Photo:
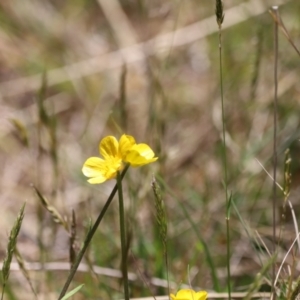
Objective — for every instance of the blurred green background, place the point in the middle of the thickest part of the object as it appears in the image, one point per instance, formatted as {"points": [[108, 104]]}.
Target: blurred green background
{"points": [[149, 69]]}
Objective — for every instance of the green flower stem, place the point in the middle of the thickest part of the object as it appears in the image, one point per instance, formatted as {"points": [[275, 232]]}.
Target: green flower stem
{"points": [[220, 19], [89, 237], [123, 236], [226, 178], [228, 256], [274, 202]]}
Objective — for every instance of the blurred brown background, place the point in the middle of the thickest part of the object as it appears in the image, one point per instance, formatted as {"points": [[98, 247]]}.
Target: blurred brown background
{"points": [[149, 69]]}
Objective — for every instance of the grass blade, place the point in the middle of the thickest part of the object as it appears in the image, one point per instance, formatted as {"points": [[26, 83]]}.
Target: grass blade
{"points": [[71, 293]]}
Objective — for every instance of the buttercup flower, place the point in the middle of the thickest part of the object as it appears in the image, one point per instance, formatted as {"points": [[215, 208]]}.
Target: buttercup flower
{"points": [[136, 155], [187, 294], [114, 154]]}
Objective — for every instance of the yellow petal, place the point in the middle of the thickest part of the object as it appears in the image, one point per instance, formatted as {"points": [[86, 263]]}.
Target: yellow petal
{"points": [[188, 294], [202, 295], [140, 155], [144, 150], [97, 180], [101, 170], [92, 167], [109, 147], [125, 144]]}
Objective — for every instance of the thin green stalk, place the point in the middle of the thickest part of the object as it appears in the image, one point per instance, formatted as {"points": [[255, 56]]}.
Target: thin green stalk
{"points": [[123, 236], [228, 256], [89, 237], [43, 120], [220, 19], [223, 119], [275, 11]]}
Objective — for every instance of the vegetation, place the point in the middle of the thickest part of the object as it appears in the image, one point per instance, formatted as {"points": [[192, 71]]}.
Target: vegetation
{"points": [[214, 91]]}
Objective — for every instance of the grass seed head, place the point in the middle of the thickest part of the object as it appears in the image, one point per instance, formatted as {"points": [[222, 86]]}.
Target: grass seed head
{"points": [[219, 12], [12, 244]]}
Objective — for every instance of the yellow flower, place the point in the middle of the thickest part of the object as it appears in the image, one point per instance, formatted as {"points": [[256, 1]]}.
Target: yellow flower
{"points": [[187, 294], [136, 155], [114, 153]]}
